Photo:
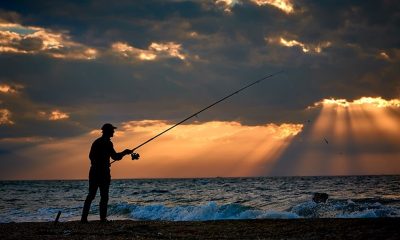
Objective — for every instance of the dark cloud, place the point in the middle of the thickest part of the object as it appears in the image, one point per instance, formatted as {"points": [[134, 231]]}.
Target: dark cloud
{"points": [[30, 44], [232, 50]]}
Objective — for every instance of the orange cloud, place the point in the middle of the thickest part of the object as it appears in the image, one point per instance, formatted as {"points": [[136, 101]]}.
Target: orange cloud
{"points": [[154, 51], [7, 88], [171, 48], [284, 5], [305, 47], [54, 115], [5, 117], [16, 38], [378, 102]]}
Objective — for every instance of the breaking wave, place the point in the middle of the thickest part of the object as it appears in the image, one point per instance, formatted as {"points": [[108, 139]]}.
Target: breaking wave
{"points": [[213, 211]]}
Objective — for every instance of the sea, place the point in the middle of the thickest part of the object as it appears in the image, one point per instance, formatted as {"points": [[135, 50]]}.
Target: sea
{"points": [[202, 199]]}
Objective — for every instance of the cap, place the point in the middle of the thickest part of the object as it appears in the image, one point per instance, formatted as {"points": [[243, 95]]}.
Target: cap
{"points": [[107, 126]]}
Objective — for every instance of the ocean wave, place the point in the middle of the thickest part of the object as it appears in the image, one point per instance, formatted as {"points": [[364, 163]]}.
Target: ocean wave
{"points": [[206, 199], [333, 208], [337, 208], [213, 211], [209, 211]]}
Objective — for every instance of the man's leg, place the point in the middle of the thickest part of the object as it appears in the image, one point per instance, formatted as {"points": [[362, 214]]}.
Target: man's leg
{"points": [[92, 193], [104, 187]]}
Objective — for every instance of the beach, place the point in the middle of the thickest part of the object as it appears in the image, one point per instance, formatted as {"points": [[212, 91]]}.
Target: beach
{"points": [[380, 228]]}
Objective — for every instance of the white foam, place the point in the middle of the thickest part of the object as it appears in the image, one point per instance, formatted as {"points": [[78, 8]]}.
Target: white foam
{"points": [[305, 209], [364, 214], [208, 211], [279, 215]]}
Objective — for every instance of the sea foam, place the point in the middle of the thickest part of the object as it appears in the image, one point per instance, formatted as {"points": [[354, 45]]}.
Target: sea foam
{"points": [[214, 211], [209, 211]]}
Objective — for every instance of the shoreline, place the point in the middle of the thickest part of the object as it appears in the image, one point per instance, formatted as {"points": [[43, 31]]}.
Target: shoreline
{"points": [[209, 177], [325, 228]]}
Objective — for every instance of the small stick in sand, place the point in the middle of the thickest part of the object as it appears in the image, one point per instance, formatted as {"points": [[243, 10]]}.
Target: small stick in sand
{"points": [[58, 216]]}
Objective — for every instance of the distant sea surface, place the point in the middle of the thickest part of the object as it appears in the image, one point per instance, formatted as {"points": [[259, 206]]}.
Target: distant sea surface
{"points": [[206, 199]]}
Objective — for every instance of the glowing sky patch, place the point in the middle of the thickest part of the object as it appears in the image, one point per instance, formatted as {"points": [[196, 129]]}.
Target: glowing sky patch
{"points": [[284, 5], [16, 38], [171, 48], [226, 4], [154, 51], [378, 102], [351, 137], [305, 47], [384, 55], [7, 88], [54, 115], [5, 117], [207, 149], [292, 43]]}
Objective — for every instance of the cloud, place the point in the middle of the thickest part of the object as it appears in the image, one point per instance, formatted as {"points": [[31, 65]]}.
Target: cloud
{"points": [[305, 47], [390, 55], [377, 102], [54, 115], [232, 47], [5, 116], [284, 5], [10, 89], [23, 118], [155, 51], [226, 5], [20, 39]]}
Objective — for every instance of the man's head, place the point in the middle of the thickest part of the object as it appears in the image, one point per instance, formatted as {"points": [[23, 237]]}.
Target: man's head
{"points": [[108, 130]]}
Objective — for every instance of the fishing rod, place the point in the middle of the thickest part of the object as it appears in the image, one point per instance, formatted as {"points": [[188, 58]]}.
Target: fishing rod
{"points": [[135, 156]]}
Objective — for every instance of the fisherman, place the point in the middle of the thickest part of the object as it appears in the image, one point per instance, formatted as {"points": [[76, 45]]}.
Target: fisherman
{"points": [[99, 175]]}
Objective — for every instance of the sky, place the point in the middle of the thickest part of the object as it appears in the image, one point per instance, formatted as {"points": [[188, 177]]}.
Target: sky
{"points": [[68, 67]]}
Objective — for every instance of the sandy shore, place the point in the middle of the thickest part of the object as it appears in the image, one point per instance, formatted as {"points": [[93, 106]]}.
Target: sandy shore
{"points": [[383, 228]]}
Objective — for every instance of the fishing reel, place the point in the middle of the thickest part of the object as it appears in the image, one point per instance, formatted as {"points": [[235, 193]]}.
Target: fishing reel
{"points": [[135, 156]]}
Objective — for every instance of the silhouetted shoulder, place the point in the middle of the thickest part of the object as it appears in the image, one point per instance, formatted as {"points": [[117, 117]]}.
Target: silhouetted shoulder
{"points": [[102, 142]]}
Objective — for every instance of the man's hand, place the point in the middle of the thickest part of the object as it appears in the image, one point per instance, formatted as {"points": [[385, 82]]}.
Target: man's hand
{"points": [[127, 151], [135, 156]]}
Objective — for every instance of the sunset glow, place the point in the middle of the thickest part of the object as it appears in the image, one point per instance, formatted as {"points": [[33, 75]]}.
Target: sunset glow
{"points": [[208, 149], [194, 150], [328, 102], [352, 134]]}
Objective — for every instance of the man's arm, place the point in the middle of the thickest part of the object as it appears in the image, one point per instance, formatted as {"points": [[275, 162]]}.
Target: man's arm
{"points": [[118, 156]]}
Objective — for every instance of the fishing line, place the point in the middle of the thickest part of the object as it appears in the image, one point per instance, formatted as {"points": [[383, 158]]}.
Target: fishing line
{"points": [[133, 155]]}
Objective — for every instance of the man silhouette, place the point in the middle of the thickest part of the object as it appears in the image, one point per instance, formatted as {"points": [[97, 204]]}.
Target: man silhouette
{"points": [[99, 175]]}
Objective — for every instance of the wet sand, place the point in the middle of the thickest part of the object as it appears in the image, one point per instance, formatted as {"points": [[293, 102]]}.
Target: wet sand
{"points": [[382, 228]]}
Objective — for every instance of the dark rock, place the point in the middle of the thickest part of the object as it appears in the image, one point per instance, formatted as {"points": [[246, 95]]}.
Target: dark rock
{"points": [[320, 197]]}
